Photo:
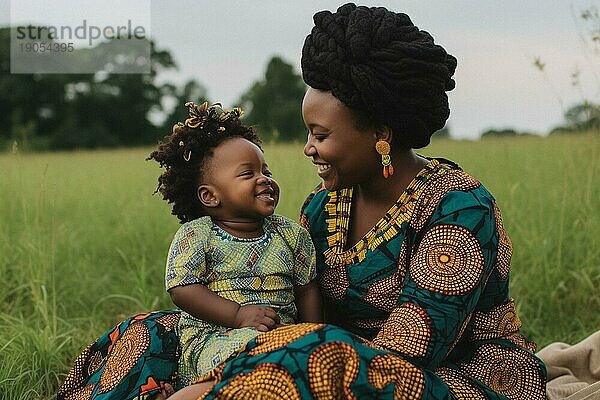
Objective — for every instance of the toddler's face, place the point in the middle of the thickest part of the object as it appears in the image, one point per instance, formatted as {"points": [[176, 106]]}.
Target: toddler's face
{"points": [[242, 181]]}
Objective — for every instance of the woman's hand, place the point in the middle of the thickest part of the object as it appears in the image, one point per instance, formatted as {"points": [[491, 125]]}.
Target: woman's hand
{"points": [[260, 317]]}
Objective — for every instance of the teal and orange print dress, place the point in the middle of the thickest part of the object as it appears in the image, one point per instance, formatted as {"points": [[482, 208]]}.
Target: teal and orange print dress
{"points": [[421, 306]]}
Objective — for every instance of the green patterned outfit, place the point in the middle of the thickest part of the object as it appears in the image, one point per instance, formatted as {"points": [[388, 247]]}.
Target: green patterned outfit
{"points": [[261, 271], [420, 305]]}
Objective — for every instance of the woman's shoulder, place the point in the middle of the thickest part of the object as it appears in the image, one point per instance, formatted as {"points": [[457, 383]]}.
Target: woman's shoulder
{"points": [[450, 189], [456, 182], [315, 202]]}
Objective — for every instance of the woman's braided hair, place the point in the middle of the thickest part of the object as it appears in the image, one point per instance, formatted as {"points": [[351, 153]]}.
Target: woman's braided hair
{"points": [[184, 152], [383, 67]]}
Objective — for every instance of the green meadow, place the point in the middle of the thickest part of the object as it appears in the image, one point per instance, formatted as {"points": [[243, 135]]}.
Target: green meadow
{"points": [[83, 242]]}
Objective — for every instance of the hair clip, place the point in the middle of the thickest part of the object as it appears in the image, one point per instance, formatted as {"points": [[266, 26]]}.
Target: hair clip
{"points": [[177, 127], [200, 114], [193, 122], [196, 110], [187, 155], [181, 143]]}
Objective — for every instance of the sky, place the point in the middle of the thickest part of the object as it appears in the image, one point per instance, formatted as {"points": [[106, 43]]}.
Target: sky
{"points": [[225, 45]]}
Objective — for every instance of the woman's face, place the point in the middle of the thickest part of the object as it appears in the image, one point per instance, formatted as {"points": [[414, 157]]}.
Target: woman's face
{"points": [[344, 155]]}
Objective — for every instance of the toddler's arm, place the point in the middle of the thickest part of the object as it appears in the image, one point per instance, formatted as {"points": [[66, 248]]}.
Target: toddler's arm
{"points": [[308, 302], [198, 301]]}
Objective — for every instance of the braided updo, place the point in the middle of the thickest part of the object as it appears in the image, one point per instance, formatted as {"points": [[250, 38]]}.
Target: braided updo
{"points": [[184, 153], [383, 67]]}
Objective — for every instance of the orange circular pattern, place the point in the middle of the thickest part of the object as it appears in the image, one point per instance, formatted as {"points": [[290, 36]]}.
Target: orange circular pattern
{"points": [[449, 260], [124, 354], [504, 246], [95, 363], [267, 382], [408, 380], [75, 376], [438, 186], [332, 368], [460, 386], [169, 321], [384, 293], [513, 372], [82, 394], [407, 330], [282, 336], [334, 282]]}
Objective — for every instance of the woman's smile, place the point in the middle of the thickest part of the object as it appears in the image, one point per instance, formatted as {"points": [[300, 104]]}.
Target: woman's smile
{"points": [[323, 170]]}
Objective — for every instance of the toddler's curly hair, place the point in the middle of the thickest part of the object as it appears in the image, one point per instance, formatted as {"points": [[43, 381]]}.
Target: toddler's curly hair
{"points": [[184, 152]]}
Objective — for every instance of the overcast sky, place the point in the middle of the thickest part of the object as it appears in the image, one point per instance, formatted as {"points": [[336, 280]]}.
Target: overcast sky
{"points": [[225, 45]]}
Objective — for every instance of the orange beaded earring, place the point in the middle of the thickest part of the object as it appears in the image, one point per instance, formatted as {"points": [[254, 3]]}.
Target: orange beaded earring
{"points": [[383, 148]]}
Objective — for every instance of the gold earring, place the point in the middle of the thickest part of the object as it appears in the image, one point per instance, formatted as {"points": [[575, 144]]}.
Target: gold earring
{"points": [[383, 148]]}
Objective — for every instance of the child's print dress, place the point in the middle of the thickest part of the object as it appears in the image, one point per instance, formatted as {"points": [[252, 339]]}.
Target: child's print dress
{"points": [[260, 271]]}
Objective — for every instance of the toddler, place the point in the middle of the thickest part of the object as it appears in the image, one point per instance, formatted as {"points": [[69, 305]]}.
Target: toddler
{"points": [[234, 267]]}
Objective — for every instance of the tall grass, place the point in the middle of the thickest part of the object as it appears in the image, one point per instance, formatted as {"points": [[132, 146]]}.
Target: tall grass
{"points": [[83, 242]]}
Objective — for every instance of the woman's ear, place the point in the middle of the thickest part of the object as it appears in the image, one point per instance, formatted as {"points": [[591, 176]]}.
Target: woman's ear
{"points": [[208, 196], [383, 133]]}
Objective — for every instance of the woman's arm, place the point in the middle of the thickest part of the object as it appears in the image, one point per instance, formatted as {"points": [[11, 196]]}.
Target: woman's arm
{"points": [[308, 302], [200, 302], [448, 270]]}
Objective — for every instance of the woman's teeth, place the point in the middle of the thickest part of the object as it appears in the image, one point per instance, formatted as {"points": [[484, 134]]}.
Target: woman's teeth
{"points": [[323, 167]]}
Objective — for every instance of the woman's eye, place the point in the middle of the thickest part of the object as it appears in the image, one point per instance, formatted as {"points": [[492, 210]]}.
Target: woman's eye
{"points": [[246, 173], [268, 173], [317, 136]]}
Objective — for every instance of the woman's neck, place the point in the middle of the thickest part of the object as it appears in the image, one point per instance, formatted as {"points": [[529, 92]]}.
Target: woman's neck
{"points": [[244, 229], [386, 191]]}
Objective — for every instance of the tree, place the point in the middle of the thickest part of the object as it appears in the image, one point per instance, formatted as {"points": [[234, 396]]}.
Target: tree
{"points": [[106, 109], [499, 132], [273, 103], [584, 116], [30, 105], [66, 111]]}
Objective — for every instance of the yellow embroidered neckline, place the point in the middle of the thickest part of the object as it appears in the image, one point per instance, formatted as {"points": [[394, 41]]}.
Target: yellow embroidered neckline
{"points": [[337, 221]]}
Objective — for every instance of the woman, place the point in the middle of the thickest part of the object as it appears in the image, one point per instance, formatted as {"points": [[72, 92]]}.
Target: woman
{"points": [[413, 260]]}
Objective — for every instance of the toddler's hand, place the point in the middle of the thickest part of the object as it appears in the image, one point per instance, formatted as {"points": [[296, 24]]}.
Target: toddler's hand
{"points": [[260, 317]]}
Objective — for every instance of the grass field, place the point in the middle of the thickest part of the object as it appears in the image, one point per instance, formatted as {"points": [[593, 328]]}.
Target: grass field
{"points": [[83, 242]]}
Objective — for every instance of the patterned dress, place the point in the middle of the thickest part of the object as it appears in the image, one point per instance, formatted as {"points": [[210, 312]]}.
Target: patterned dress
{"points": [[261, 271], [421, 309], [132, 360], [421, 306]]}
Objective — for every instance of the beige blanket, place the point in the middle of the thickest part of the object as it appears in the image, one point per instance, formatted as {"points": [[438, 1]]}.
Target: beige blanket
{"points": [[573, 370]]}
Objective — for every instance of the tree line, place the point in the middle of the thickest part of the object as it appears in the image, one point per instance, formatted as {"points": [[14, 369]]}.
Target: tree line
{"points": [[71, 111]]}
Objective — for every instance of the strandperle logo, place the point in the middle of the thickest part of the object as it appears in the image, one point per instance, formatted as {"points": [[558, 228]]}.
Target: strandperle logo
{"points": [[82, 37], [89, 32]]}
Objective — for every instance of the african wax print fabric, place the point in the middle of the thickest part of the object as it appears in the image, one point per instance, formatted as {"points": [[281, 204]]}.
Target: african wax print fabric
{"points": [[132, 360], [262, 271], [420, 306]]}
